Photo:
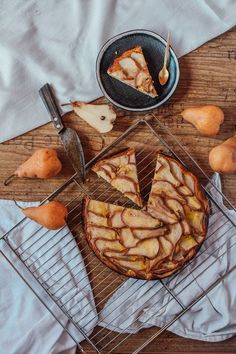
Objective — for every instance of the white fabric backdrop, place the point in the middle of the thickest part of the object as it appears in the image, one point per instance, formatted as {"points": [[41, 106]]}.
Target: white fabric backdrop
{"points": [[57, 41]]}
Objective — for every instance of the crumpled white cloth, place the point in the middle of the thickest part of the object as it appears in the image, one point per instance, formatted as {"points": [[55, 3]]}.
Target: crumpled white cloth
{"points": [[58, 42], [141, 304], [25, 324]]}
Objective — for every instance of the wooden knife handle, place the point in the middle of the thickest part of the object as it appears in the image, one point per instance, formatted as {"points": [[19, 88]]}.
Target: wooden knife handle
{"points": [[53, 108]]}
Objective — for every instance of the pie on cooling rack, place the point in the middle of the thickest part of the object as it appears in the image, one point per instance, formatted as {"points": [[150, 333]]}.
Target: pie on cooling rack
{"points": [[131, 69], [155, 242], [121, 172]]}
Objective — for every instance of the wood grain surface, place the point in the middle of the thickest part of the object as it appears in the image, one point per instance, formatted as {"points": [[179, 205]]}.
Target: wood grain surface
{"points": [[208, 76]]}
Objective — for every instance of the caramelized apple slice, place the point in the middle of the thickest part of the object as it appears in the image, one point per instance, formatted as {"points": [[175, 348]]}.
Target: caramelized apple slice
{"points": [[143, 234], [176, 207], [127, 238], [96, 219], [116, 220], [164, 188], [103, 245], [184, 190], [97, 207], [188, 242], [193, 203], [139, 219], [164, 173], [176, 170], [102, 232], [147, 248], [175, 233]]}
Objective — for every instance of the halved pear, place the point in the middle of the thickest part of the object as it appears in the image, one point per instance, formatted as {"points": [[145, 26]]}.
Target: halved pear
{"points": [[139, 219], [147, 248]]}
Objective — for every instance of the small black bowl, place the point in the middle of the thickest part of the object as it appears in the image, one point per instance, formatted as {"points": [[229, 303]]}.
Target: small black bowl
{"points": [[126, 97]]}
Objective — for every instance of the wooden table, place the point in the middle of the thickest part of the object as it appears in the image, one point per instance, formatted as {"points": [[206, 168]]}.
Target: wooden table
{"points": [[208, 76]]}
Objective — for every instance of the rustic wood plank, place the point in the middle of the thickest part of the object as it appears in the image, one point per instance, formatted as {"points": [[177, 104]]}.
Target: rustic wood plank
{"points": [[207, 77]]}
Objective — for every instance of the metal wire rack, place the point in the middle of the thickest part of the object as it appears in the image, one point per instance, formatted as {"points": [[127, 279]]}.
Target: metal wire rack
{"points": [[53, 263]]}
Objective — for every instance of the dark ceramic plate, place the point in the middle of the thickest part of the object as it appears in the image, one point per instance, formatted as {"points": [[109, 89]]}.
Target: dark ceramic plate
{"points": [[153, 47]]}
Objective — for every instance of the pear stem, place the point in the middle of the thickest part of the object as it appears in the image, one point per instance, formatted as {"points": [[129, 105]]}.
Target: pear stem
{"points": [[9, 179]]}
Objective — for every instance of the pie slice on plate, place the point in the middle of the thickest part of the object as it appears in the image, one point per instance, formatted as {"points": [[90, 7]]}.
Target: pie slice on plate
{"points": [[131, 69], [152, 243], [121, 172]]}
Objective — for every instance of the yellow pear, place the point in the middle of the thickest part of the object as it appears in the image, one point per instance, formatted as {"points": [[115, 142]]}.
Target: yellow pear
{"points": [[222, 158], [206, 119]]}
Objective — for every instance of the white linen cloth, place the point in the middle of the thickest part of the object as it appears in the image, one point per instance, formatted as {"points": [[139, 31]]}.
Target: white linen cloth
{"points": [[141, 304], [25, 324], [58, 42]]}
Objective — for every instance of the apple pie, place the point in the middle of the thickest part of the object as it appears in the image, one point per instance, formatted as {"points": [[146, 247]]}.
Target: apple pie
{"points": [[131, 69], [152, 243]]}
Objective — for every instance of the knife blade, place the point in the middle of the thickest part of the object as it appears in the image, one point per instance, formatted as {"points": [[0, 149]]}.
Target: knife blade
{"points": [[69, 136]]}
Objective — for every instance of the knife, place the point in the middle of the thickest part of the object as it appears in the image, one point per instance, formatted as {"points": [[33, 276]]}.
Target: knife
{"points": [[69, 137]]}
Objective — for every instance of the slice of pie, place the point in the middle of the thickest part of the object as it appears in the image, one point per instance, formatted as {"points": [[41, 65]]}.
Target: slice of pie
{"points": [[156, 242], [121, 172], [131, 69]]}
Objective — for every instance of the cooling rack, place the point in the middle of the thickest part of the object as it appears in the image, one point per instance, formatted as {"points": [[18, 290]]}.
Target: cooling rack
{"points": [[53, 264]]}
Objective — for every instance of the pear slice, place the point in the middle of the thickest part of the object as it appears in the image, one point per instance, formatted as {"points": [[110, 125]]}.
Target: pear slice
{"points": [[158, 209], [176, 170], [165, 250], [188, 242], [165, 173], [127, 238], [143, 234], [184, 190], [194, 203], [116, 220], [99, 208], [103, 245], [176, 207], [174, 234], [186, 227], [147, 248], [102, 232], [189, 181], [99, 116], [195, 219], [95, 219], [136, 266], [166, 189], [139, 219]]}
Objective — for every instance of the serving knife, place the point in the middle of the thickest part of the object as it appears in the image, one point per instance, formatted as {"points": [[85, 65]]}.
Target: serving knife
{"points": [[69, 137]]}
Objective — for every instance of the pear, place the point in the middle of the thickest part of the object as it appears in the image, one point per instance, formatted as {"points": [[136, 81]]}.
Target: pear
{"points": [[222, 158], [44, 163], [206, 119], [99, 116], [51, 215]]}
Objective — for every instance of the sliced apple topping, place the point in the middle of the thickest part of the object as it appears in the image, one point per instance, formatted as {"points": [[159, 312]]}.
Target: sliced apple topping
{"points": [[103, 245], [147, 248], [127, 238], [102, 232], [188, 242], [138, 219], [143, 234], [164, 173], [166, 189], [96, 219], [193, 203]]}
